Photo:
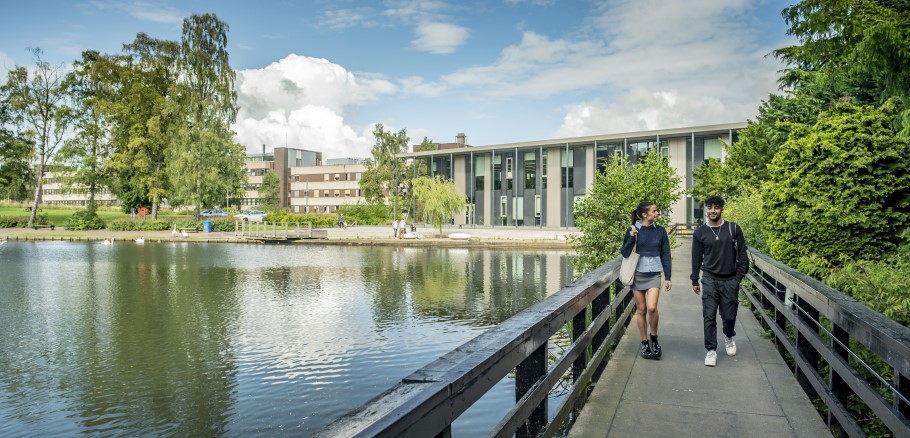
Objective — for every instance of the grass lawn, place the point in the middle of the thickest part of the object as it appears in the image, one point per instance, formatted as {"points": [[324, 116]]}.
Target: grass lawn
{"points": [[59, 215]]}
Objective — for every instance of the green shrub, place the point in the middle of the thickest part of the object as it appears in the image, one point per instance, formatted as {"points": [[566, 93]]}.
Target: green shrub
{"points": [[366, 214], [84, 220], [318, 220], [157, 225], [841, 191], [13, 221], [123, 225]]}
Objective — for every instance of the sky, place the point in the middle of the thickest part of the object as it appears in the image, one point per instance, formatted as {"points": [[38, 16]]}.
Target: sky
{"points": [[320, 74]]}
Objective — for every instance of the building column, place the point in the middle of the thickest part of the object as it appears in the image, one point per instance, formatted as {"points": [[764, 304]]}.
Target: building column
{"points": [[460, 178], [488, 190], [554, 187]]}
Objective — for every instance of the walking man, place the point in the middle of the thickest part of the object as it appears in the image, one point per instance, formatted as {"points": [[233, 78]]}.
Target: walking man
{"points": [[719, 255]]}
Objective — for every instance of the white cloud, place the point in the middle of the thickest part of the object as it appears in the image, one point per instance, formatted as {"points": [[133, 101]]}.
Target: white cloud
{"points": [[649, 65], [349, 18], [533, 2], [439, 38], [301, 102], [144, 11], [643, 110], [415, 85], [6, 64]]}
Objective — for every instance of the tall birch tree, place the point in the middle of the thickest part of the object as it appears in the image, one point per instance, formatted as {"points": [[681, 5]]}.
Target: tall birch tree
{"points": [[39, 109], [205, 163], [85, 156]]}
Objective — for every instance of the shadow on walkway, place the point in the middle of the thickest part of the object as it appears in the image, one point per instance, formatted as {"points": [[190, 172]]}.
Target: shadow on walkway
{"points": [[752, 394]]}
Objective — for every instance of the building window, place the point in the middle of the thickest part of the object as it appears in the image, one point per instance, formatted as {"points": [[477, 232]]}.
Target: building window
{"points": [[543, 171], [530, 170], [605, 153], [497, 173], [478, 173], [567, 178], [296, 178]]}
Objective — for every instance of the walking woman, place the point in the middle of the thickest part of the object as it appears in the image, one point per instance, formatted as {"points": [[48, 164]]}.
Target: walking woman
{"points": [[653, 246]]}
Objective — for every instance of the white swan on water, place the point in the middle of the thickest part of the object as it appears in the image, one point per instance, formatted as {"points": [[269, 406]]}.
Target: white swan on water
{"points": [[184, 234], [108, 242], [174, 231], [140, 240]]}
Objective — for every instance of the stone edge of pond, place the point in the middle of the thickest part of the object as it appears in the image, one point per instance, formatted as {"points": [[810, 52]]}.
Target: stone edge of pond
{"points": [[427, 242]]}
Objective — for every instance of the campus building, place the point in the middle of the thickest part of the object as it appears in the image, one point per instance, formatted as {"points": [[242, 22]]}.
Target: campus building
{"points": [[307, 185], [536, 183], [55, 191]]}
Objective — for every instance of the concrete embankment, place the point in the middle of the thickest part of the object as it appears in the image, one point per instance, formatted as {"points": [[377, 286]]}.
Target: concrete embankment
{"points": [[492, 237]]}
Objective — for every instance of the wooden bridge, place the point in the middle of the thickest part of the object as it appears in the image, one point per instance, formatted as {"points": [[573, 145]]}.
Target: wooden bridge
{"points": [[272, 232], [804, 348]]}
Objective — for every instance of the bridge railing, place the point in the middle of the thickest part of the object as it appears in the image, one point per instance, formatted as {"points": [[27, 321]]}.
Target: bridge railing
{"points": [[831, 340], [427, 402]]}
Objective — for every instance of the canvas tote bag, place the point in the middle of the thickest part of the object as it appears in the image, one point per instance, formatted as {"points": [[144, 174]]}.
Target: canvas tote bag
{"points": [[627, 269]]}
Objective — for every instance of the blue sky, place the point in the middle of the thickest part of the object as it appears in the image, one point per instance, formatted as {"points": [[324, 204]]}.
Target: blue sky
{"points": [[319, 74]]}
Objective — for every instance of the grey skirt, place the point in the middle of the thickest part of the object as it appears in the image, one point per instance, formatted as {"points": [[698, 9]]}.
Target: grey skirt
{"points": [[646, 280]]}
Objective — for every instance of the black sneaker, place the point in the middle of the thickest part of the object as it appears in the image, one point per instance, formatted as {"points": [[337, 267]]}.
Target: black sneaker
{"points": [[655, 348], [646, 350]]}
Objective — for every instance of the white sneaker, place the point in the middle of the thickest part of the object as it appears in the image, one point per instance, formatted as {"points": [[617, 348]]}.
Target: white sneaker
{"points": [[730, 345], [711, 358]]}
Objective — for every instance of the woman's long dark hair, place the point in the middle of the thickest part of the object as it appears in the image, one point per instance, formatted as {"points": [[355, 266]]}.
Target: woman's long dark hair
{"points": [[639, 211]]}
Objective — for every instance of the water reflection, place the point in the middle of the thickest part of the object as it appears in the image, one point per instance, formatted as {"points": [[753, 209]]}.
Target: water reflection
{"points": [[233, 340]]}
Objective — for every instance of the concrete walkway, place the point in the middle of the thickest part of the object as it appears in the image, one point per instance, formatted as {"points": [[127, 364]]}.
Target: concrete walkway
{"points": [[752, 394]]}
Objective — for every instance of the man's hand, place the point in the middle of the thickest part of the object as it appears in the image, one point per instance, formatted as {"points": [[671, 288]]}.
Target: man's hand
{"points": [[697, 289]]}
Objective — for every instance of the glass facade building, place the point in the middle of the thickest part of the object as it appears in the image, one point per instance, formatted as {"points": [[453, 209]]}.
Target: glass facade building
{"points": [[536, 183]]}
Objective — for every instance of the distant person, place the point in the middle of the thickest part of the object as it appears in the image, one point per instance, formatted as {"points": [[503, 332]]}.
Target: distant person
{"points": [[395, 229], [719, 254], [653, 246], [341, 221]]}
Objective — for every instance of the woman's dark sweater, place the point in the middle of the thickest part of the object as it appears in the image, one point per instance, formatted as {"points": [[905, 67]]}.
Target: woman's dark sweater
{"points": [[652, 242]]}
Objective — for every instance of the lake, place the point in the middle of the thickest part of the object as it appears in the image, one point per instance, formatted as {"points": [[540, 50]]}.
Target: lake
{"points": [[195, 339]]}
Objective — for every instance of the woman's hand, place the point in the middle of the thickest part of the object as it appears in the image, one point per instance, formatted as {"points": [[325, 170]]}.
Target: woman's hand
{"points": [[668, 285], [633, 231]]}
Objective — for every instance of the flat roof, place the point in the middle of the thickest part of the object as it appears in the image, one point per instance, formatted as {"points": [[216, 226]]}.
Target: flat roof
{"points": [[638, 135]]}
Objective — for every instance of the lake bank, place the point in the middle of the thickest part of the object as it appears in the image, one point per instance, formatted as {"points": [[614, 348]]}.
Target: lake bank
{"points": [[498, 237]]}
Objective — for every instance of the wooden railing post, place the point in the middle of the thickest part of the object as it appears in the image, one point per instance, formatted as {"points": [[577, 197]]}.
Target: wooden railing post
{"points": [[579, 324], [838, 385], [807, 315], [527, 373], [597, 307], [903, 387]]}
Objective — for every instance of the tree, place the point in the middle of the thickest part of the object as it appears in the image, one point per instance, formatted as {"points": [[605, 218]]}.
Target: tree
{"points": [[382, 170], [603, 214], [15, 151], [86, 155], [710, 179], [862, 46], [145, 119], [440, 198], [270, 191], [841, 190], [205, 163], [38, 106]]}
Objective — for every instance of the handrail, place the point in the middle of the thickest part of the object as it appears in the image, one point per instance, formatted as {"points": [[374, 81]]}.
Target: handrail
{"points": [[825, 321], [428, 401]]}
